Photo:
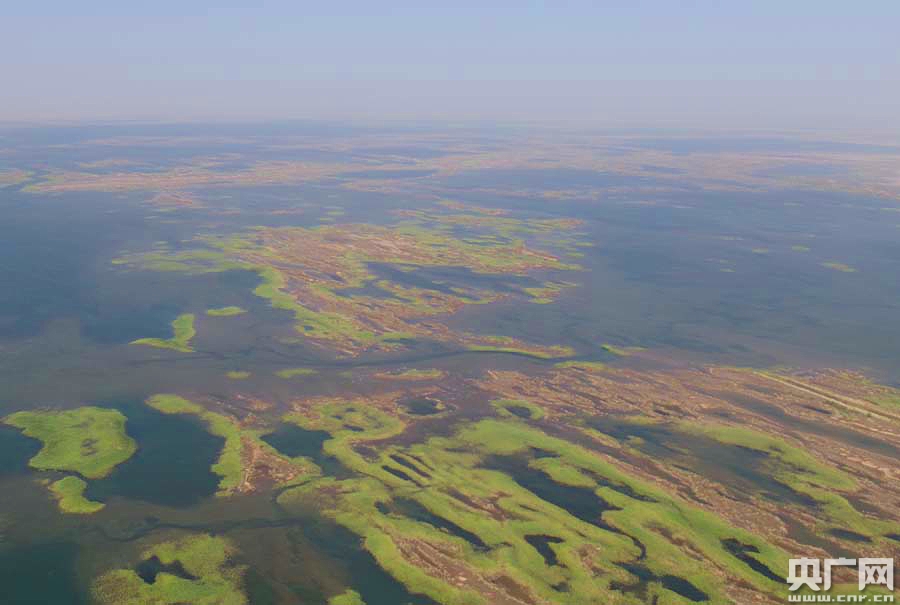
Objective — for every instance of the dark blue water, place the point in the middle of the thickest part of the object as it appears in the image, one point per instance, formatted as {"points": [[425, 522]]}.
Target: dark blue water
{"points": [[291, 440], [412, 509], [674, 583], [152, 567], [40, 574], [375, 585], [171, 466], [16, 450], [421, 406], [580, 502], [56, 264], [542, 544]]}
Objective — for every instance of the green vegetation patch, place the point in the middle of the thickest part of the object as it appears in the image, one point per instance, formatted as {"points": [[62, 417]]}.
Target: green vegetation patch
{"points": [[354, 420], [184, 332], [196, 570], [803, 473], [294, 372], [412, 374], [843, 268], [546, 293], [622, 351], [492, 227], [807, 468], [324, 324], [228, 466], [226, 311], [349, 597], [238, 374], [69, 491], [482, 499], [349, 423], [518, 408], [424, 241], [887, 400], [90, 441], [499, 344], [582, 365]]}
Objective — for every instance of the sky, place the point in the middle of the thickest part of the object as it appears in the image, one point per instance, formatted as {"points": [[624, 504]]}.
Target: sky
{"points": [[724, 64]]}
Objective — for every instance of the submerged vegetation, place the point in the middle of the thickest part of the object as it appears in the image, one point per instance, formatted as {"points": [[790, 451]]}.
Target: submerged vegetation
{"points": [[183, 333]]}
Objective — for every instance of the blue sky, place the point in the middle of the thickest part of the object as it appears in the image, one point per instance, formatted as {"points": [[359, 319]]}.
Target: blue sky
{"points": [[725, 64]]}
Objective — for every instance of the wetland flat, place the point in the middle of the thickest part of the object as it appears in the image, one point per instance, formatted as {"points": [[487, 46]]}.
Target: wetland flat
{"points": [[316, 366]]}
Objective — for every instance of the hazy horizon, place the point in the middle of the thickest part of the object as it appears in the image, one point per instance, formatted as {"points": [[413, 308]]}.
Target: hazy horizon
{"points": [[807, 65]]}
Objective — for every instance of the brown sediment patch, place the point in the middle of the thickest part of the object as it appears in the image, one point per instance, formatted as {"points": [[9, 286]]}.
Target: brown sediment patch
{"points": [[647, 170], [175, 199], [262, 468], [385, 402], [784, 406], [445, 562], [327, 277], [849, 390], [453, 205], [411, 375], [186, 176], [489, 506], [514, 589]]}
